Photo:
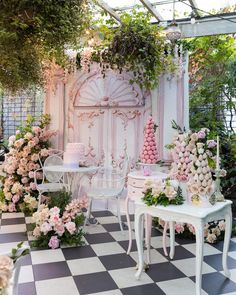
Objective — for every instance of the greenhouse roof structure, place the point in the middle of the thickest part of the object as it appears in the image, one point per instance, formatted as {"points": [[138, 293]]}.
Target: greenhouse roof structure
{"points": [[190, 15]]}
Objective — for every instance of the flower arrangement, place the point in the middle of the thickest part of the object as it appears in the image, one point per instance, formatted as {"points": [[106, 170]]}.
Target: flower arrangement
{"points": [[7, 266], [55, 225], [162, 193], [27, 148]]}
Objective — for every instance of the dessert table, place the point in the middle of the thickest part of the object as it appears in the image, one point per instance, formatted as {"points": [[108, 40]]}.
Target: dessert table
{"points": [[136, 181], [186, 213], [71, 172]]}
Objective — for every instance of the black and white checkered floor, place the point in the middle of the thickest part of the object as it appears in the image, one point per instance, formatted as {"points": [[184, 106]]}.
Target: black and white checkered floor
{"points": [[102, 266]]}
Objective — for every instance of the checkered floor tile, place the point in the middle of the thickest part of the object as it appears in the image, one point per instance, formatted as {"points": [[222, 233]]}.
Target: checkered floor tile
{"points": [[102, 266]]}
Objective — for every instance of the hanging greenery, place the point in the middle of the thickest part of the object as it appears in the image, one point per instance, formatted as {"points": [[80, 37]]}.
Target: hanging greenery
{"points": [[135, 45], [32, 31]]}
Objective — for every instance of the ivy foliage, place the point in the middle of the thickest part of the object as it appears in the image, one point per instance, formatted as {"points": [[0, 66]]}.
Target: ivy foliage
{"points": [[212, 64], [34, 30], [136, 45]]}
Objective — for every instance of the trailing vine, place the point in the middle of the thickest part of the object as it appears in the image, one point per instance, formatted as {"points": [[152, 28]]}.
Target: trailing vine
{"points": [[135, 46]]}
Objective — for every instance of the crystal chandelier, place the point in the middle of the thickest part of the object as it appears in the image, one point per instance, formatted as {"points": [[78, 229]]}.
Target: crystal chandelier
{"points": [[173, 32]]}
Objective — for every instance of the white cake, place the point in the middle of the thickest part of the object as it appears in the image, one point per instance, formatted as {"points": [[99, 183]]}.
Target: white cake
{"points": [[74, 154]]}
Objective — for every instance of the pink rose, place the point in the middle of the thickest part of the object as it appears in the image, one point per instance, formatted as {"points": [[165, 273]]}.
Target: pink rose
{"points": [[70, 226], [54, 242], [24, 180], [59, 228], [11, 207], [45, 228], [179, 228], [54, 219], [15, 198], [33, 186]]}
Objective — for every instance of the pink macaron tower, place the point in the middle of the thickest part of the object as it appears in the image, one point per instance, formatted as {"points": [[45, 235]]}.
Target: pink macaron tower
{"points": [[149, 153]]}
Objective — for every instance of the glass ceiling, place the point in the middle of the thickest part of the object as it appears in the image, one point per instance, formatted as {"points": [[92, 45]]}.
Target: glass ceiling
{"points": [[183, 8]]}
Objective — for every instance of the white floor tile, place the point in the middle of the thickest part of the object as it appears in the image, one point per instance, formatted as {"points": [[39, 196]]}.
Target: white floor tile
{"points": [[26, 274], [6, 247], [14, 228], [29, 219], [47, 256], [61, 286], [232, 254], [107, 248], [232, 275], [208, 249], [85, 266], [156, 257], [121, 236], [107, 219], [183, 286], [12, 215], [156, 242], [94, 229], [187, 266], [125, 277]]}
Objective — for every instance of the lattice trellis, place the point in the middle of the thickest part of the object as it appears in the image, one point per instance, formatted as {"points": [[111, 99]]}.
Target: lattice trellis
{"points": [[16, 108]]}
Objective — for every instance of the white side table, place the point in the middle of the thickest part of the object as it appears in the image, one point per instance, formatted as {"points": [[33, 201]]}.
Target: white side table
{"points": [[186, 213], [136, 181]]}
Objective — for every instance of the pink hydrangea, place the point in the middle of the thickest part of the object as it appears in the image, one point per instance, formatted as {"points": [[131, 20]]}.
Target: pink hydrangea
{"points": [[201, 134], [54, 242]]}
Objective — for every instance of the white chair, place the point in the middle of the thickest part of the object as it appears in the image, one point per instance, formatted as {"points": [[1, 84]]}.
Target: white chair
{"points": [[106, 185], [13, 288], [52, 181]]}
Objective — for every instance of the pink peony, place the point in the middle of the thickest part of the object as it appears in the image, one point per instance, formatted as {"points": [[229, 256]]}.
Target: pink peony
{"points": [[15, 198], [201, 134], [211, 144], [70, 226], [55, 210], [59, 228], [33, 186], [54, 242], [24, 180]]}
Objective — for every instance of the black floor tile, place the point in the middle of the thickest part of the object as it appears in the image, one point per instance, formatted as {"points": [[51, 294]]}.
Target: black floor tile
{"points": [[103, 213], [11, 221], [216, 283], [114, 227], [78, 252], [13, 237], [48, 271], [125, 245], [99, 238], [180, 253], [27, 289], [94, 283], [164, 271], [149, 289], [215, 261], [117, 261]]}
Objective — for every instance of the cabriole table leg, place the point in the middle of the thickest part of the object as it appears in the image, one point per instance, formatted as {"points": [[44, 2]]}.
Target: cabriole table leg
{"points": [[228, 230]]}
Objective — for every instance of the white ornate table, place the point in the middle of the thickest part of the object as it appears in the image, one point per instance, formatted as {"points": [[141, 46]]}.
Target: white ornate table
{"points": [[136, 181], [186, 213], [70, 172]]}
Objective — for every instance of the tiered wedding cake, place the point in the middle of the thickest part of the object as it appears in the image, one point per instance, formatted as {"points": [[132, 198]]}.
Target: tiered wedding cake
{"points": [[149, 153], [74, 154]]}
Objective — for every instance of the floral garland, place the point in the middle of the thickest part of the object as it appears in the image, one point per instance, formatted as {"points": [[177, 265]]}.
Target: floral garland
{"points": [[55, 225], [7, 266], [27, 148], [162, 193], [213, 231]]}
